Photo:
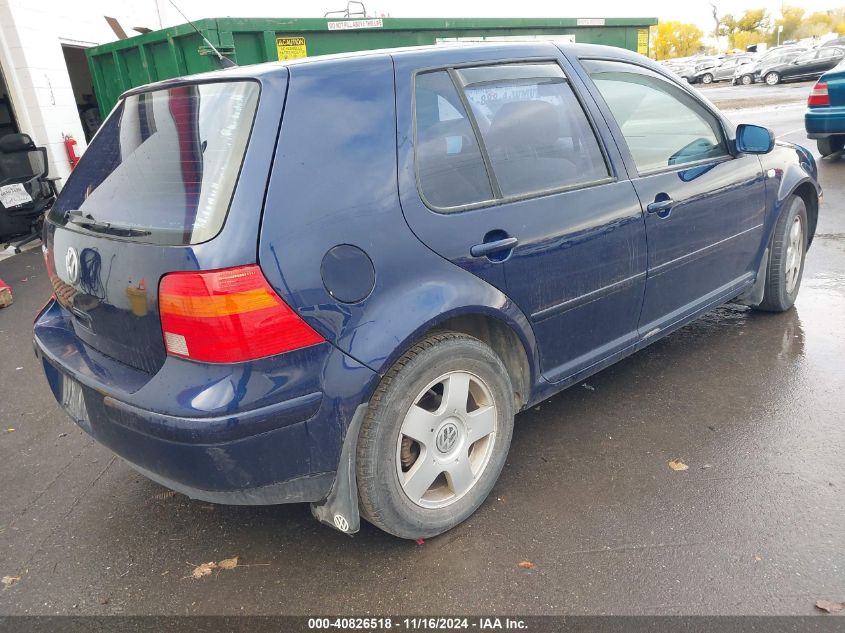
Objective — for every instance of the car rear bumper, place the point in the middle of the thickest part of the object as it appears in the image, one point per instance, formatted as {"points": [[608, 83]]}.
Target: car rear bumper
{"points": [[282, 451], [825, 122]]}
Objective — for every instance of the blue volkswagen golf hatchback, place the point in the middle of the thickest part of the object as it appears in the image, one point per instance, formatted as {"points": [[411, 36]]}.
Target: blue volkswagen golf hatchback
{"points": [[337, 280]]}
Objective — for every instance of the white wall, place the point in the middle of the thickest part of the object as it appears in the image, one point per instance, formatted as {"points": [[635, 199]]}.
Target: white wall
{"points": [[31, 36]]}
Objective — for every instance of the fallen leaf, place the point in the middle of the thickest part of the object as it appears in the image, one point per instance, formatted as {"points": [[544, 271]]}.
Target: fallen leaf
{"points": [[677, 464], [525, 564], [830, 606], [9, 581], [228, 563], [203, 570]]}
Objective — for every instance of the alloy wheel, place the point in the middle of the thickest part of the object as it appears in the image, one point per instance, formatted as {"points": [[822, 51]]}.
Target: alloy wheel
{"points": [[446, 439], [794, 254]]}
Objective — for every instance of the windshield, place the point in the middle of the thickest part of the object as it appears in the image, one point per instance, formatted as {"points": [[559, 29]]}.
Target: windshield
{"points": [[163, 167]]}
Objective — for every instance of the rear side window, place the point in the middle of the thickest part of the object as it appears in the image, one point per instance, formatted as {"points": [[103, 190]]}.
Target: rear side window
{"points": [[830, 53], [525, 133], [536, 134], [450, 168], [163, 167], [663, 125]]}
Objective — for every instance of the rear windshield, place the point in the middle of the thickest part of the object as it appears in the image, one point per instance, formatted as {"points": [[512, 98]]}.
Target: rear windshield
{"points": [[163, 166]]}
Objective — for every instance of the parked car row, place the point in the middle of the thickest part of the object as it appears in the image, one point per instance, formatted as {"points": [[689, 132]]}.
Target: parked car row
{"points": [[784, 63]]}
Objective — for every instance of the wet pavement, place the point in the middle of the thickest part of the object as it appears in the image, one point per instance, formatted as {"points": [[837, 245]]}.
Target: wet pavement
{"points": [[752, 403], [727, 96]]}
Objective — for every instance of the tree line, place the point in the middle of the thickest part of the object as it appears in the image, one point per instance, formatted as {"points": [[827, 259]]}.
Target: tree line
{"points": [[754, 26]]}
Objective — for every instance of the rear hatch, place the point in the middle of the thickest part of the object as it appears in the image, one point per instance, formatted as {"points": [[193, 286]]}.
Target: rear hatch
{"points": [[149, 197]]}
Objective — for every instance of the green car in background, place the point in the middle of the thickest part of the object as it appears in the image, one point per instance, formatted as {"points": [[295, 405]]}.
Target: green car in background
{"points": [[825, 116]]}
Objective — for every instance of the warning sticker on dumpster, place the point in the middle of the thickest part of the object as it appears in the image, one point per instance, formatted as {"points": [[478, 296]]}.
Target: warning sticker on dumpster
{"points": [[642, 41], [346, 25], [14, 195], [291, 47]]}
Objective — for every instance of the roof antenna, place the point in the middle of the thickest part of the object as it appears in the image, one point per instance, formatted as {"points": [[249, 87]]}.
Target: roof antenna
{"points": [[225, 62]]}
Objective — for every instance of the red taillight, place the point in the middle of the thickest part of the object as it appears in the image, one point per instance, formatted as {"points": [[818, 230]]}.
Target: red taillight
{"points": [[228, 316], [819, 95]]}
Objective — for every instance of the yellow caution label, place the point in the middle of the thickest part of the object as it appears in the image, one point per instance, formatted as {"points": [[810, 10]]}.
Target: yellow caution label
{"points": [[291, 47], [642, 42]]}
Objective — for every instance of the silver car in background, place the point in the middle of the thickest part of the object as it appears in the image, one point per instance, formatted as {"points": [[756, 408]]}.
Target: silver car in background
{"points": [[749, 73], [722, 71]]}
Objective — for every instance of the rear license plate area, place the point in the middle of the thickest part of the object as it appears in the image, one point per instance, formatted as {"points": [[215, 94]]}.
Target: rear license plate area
{"points": [[73, 401]]}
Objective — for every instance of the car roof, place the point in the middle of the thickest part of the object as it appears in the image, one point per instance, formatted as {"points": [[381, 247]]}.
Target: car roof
{"points": [[424, 53]]}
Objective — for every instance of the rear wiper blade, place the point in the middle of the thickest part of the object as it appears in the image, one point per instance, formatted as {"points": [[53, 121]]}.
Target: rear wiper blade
{"points": [[74, 216]]}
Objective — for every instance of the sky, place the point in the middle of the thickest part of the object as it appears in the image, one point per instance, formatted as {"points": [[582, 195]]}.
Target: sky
{"points": [[698, 12]]}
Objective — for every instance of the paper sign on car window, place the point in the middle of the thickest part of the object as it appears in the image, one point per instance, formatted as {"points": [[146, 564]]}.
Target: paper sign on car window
{"points": [[14, 195]]}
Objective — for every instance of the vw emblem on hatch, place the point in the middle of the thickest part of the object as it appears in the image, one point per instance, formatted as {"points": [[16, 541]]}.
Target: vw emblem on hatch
{"points": [[446, 437], [72, 265]]}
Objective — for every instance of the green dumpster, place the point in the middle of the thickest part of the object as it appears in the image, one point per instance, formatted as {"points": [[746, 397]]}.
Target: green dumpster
{"points": [[179, 50]]}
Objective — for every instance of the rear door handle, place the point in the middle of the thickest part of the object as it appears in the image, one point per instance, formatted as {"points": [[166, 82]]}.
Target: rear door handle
{"points": [[488, 248], [660, 206]]}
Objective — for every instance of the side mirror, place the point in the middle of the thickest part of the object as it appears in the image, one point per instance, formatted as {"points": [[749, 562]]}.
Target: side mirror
{"points": [[753, 139]]}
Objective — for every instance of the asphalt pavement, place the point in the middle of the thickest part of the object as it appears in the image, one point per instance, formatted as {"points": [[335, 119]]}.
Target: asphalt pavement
{"points": [[752, 403], [728, 97]]}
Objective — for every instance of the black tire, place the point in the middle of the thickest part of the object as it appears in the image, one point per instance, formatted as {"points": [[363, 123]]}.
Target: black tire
{"points": [[707, 78], [830, 145], [772, 78], [746, 80], [777, 297], [383, 502]]}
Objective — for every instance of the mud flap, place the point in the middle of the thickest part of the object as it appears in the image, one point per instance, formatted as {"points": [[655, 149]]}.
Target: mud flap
{"points": [[754, 295], [340, 509]]}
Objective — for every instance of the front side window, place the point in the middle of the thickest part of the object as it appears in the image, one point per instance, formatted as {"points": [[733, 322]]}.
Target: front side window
{"points": [[663, 125]]}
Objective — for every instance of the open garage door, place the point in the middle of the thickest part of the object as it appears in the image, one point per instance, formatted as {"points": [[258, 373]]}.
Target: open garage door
{"points": [[83, 89], [8, 123]]}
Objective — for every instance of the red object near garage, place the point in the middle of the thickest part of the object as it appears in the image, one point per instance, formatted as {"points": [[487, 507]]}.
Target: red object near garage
{"points": [[5, 294], [72, 150]]}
